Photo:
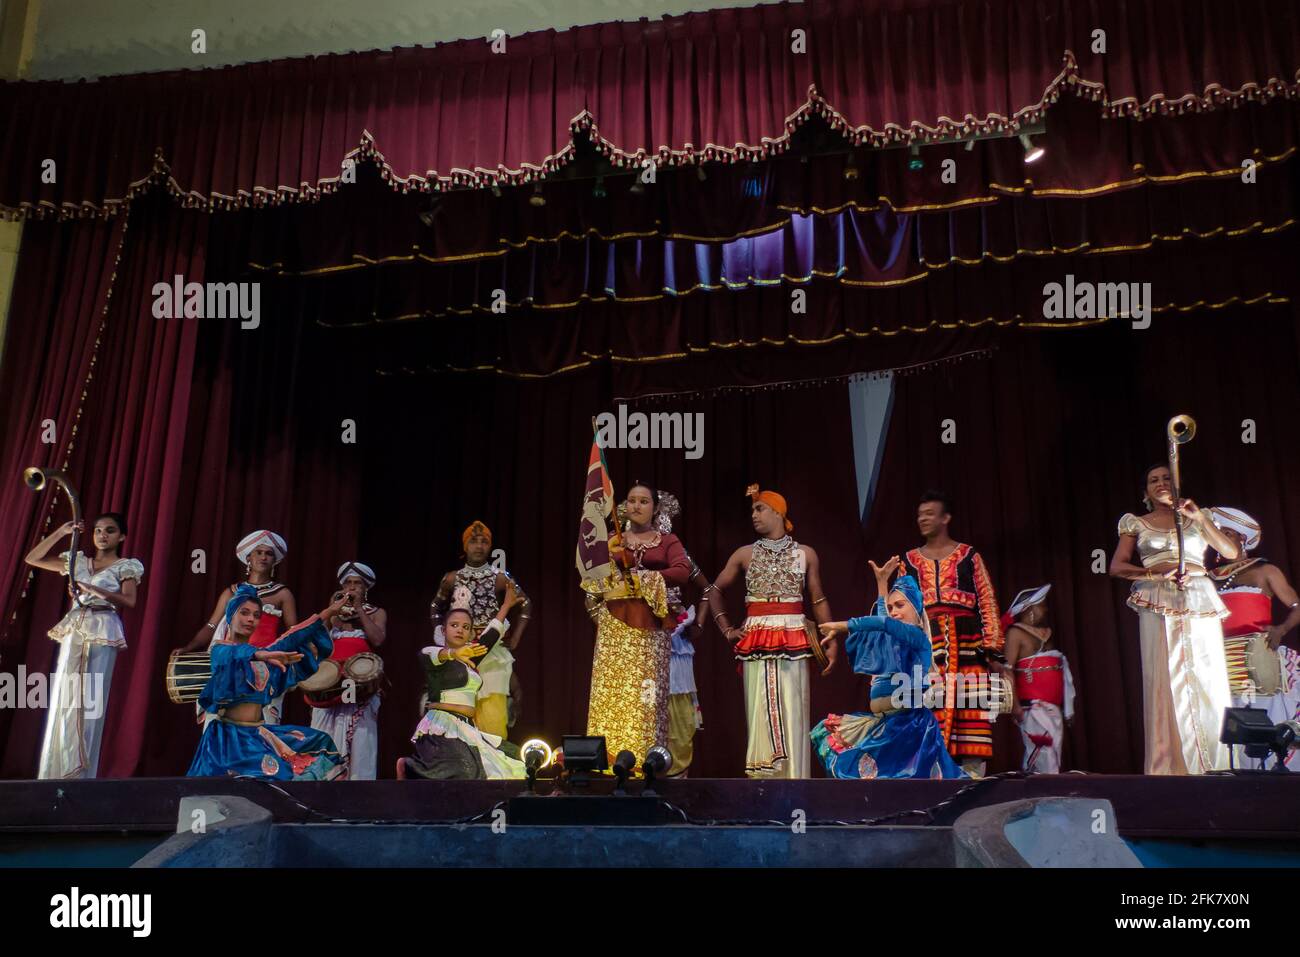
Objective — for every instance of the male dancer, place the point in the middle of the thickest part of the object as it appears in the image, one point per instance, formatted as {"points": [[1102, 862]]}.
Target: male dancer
{"points": [[1248, 587], [964, 626], [772, 645], [487, 587], [359, 627], [260, 552]]}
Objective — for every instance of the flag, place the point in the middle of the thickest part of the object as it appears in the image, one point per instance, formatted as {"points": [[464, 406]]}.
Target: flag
{"points": [[595, 526]]}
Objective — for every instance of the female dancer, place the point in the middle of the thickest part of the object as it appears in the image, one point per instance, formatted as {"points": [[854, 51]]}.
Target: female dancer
{"points": [[899, 737], [630, 677], [1184, 673], [260, 552], [90, 636], [244, 678], [448, 742]]}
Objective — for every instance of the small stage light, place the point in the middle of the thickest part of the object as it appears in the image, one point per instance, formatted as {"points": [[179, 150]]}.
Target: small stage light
{"points": [[598, 191], [496, 190], [851, 169], [970, 144], [623, 765], [637, 187], [700, 174], [537, 754], [657, 763], [1032, 153], [537, 199], [915, 162]]}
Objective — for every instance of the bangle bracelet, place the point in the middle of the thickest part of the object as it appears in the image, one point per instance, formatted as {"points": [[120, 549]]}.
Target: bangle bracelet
{"points": [[818, 601], [212, 626]]}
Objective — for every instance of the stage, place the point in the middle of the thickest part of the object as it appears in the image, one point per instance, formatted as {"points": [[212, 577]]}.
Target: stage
{"points": [[1202, 821]]}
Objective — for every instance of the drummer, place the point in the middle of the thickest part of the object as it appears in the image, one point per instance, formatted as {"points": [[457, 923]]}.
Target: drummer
{"points": [[359, 627], [1248, 587]]}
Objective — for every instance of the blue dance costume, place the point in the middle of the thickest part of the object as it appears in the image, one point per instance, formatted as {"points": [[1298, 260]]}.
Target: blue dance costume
{"points": [[283, 752], [903, 743]]}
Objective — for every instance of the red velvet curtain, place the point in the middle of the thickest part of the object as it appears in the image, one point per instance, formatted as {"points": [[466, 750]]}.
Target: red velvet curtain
{"points": [[728, 84]]}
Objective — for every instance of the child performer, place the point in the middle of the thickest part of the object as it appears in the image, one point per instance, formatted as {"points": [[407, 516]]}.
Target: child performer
{"points": [[1044, 686]]}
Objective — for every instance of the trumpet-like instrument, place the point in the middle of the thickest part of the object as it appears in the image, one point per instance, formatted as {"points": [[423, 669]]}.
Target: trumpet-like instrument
{"points": [[36, 479], [1180, 430]]}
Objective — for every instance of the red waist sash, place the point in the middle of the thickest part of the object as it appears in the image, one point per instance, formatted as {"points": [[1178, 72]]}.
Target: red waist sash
{"points": [[1249, 612], [763, 640], [1041, 678], [345, 647], [266, 632]]}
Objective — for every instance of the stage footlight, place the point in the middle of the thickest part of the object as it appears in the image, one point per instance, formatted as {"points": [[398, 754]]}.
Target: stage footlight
{"points": [[1250, 727], [622, 767], [537, 754], [537, 199], [656, 765], [1032, 153], [915, 162]]}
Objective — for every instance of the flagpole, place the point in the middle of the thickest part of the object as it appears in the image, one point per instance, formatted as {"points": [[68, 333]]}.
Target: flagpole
{"points": [[615, 537]]}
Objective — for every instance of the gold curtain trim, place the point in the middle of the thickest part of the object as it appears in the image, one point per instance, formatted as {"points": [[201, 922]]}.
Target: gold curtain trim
{"points": [[1213, 96], [1267, 298]]}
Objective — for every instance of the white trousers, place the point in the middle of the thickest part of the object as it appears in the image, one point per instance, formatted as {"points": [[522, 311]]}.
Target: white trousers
{"points": [[355, 730], [776, 709], [78, 703]]}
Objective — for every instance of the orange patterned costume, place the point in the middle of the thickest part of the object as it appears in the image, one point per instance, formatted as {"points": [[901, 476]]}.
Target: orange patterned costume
{"points": [[963, 612]]}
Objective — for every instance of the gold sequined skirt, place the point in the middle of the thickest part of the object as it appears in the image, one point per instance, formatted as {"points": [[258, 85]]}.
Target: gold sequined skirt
{"points": [[629, 686]]}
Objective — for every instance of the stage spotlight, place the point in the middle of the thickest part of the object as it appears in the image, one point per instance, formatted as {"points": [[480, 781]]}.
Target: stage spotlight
{"points": [[623, 765], [657, 763], [851, 169], [970, 144], [700, 174], [1250, 727], [598, 191], [1032, 153], [637, 187], [537, 199], [583, 754], [915, 162], [496, 190]]}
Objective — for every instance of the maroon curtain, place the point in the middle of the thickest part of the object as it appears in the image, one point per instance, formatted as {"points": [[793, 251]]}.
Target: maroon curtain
{"points": [[724, 84], [53, 339], [127, 451]]}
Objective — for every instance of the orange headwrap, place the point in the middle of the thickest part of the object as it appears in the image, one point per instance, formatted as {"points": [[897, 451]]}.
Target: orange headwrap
{"points": [[475, 528], [773, 500]]}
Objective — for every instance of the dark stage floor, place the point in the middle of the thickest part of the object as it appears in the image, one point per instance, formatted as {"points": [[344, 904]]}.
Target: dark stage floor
{"points": [[1250, 807]]}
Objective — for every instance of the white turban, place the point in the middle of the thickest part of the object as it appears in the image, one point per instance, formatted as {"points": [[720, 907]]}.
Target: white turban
{"points": [[364, 572], [256, 539], [1238, 521]]}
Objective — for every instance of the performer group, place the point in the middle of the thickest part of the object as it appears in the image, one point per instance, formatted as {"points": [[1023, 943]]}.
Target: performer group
{"points": [[941, 662]]}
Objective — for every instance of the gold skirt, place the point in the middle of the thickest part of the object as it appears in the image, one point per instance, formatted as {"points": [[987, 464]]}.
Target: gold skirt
{"points": [[629, 686]]}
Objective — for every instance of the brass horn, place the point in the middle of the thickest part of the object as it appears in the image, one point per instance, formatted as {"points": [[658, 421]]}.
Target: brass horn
{"points": [[1180, 430], [36, 479]]}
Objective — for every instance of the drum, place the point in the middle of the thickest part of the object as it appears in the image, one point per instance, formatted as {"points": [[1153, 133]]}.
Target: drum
{"points": [[366, 670], [1253, 667], [187, 673], [1263, 665], [323, 689], [815, 643]]}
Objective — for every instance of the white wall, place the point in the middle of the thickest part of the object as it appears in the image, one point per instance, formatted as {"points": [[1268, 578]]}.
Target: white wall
{"points": [[87, 38]]}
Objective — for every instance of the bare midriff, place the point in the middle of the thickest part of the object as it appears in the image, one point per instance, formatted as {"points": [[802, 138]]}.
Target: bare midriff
{"points": [[461, 709], [246, 712], [633, 612]]}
